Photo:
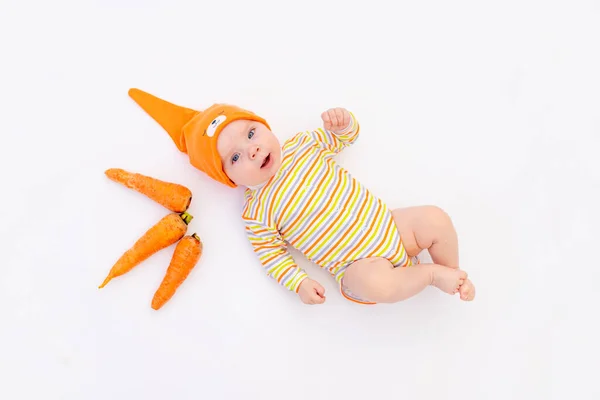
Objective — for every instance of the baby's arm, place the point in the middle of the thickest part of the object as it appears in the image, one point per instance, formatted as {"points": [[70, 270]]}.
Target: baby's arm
{"points": [[341, 130], [272, 253], [279, 264]]}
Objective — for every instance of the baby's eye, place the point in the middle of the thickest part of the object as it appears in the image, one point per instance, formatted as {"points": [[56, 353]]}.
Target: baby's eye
{"points": [[235, 158], [250, 134]]}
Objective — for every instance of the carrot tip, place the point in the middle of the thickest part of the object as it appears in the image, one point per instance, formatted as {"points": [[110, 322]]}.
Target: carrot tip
{"points": [[157, 303], [105, 282], [112, 172]]}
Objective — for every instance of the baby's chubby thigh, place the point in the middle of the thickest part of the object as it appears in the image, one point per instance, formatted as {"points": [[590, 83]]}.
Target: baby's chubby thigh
{"points": [[371, 279]]}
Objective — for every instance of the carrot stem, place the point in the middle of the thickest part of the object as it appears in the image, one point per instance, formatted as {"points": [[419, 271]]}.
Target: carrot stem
{"points": [[195, 236], [187, 218]]}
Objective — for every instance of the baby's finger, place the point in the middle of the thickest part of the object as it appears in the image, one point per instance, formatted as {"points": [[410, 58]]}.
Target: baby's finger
{"points": [[346, 118], [333, 118], [320, 290], [339, 113]]}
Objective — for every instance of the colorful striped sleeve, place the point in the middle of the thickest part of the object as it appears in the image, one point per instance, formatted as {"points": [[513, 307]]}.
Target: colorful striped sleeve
{"points": [[337, 141], [272, 253]]}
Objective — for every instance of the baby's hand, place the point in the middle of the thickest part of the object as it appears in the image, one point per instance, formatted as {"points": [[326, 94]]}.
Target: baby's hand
{"points": [[336, 119], [311, 292]]}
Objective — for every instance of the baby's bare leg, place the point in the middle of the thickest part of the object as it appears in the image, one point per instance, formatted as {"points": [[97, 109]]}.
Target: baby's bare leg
{"points": [[376, 279], [430, 228]]}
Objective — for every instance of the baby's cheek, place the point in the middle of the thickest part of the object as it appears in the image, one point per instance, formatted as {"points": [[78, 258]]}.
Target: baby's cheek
{"points": [[245, 169]]}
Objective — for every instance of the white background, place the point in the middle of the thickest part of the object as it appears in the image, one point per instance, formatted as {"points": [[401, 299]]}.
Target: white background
{"points": [[490, 110]]}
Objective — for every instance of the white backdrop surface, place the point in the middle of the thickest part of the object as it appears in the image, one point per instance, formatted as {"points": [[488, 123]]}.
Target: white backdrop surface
{"points": [[490, 110]]}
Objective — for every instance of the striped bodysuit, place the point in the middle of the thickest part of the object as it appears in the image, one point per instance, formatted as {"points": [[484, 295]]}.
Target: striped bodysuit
{"points": [[316, 206]]}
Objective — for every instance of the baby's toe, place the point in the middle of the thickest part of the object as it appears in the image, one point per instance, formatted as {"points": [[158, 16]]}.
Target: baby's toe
{"points": [[464, 294], [467, 291]]}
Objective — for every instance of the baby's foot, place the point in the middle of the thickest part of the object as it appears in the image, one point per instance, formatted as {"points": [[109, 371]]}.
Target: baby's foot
{"points": [[467, 291], [448, 279]]}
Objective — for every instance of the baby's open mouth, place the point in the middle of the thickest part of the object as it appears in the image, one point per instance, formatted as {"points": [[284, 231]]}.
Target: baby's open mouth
{"points": [[266, 160]]}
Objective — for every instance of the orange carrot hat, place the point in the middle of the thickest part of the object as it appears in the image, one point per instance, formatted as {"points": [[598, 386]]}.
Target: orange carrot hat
{"points": [[195, 132]]}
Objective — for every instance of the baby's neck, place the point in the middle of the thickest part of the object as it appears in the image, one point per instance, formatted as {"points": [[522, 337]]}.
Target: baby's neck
{"points": [[254, 187]]}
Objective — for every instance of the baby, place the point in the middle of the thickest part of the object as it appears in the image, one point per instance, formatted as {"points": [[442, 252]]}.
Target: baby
{"points": [[296, 194]]}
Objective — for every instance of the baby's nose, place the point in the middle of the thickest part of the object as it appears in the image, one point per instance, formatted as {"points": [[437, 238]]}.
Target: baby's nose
{"points": [[254, 151]]}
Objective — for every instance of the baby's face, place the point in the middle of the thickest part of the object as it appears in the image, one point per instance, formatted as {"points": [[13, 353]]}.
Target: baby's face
{"points": [[249, 151]]}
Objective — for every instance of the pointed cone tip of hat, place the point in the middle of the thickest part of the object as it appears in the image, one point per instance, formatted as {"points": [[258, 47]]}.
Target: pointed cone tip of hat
{"points": [[168, 115]]}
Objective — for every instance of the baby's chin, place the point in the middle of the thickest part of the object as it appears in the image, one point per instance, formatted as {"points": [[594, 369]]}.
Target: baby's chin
{"points": [[259, 178]]}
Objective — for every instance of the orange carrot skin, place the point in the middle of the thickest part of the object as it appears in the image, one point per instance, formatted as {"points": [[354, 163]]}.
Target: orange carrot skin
{"points": [[164, 233], [173, 196], [185, 257]]}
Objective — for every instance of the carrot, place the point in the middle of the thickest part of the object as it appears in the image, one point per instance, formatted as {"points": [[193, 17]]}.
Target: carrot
{"points": [[173, 196], [185, 257], [164, 233]]}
